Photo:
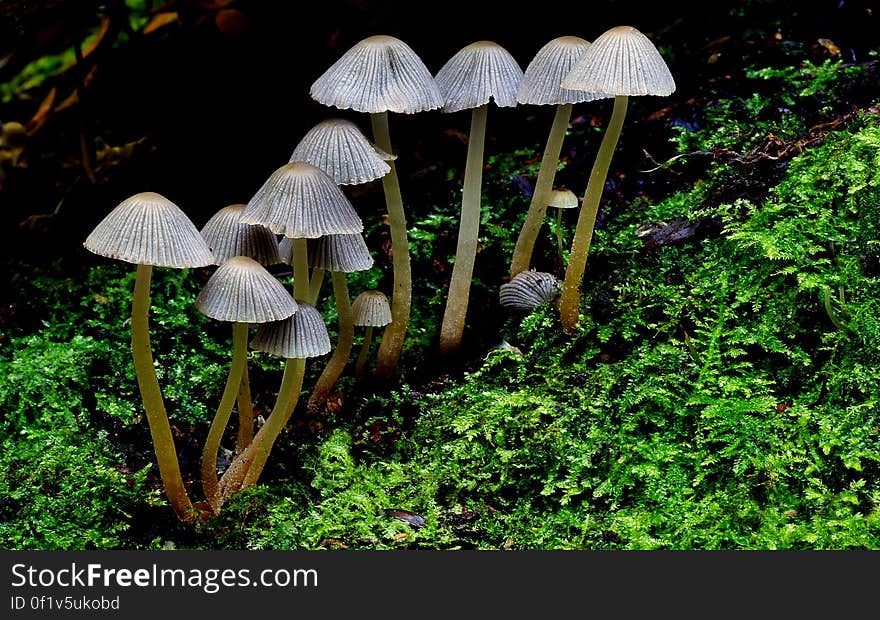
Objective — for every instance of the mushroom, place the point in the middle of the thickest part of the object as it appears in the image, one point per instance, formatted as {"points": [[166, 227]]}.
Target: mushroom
{"points": [[561, 199], [339, 148], [541, 86], [622, 62], [338, 254], [149, 230], [476, 74], [382, 74], [529, 289], [370, 309], [241, 291]]}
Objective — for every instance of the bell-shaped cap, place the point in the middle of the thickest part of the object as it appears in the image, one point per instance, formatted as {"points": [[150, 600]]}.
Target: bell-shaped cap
{"points": [[300, 336], [622, 61], [371, 309], [343, 253], [378, 74], [228, 237], [338, 147], [301, 200], [241, 290], [528, 290], [477, 73], [541, 83], [149, 229], [562, 199]]}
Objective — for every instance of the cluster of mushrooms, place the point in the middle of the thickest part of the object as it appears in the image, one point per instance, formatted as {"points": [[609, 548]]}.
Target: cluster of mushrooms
{"points": [[302, 216]]}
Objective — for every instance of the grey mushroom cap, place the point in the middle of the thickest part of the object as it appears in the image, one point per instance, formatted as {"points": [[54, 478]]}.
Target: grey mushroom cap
{"points": [[300, 200], [300, 336], [149, 229], [621, 61], [242, 291], [529, 289], [478, 73], [228, 237], [338, 147], [371, 309], [563, 199], [343, 253], [378, 74], [541, 83]]}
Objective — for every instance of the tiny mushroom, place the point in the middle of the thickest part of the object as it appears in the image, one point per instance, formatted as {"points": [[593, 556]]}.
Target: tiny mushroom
{"points": [[339, 148], [478, 73], [241, 291], [370, 309], [561, 199], [149, 230], [529, 289], [382, 74], [621, 62]]}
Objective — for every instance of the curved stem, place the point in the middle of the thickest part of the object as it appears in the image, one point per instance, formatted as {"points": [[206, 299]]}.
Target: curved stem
{"points": [[401, 299], [468, 232], [361, 364], [570, 302], [528, 235], [151, 395], [245, 413], [315, 285], [210, 484], [336, 364]]}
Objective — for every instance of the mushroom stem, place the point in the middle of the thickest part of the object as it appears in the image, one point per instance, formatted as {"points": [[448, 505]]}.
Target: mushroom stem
{"points": [[569, 304], [151, 395], [528, 235], [336, 364], [468, 231], [361, 364], [560, 250], [315, 285], [392, 342], [210, 484], [245, 414]]}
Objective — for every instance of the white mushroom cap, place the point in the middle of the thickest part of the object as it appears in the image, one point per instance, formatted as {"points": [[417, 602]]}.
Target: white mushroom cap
{"points": [[622, 61], [378, 74], [343, 253], [477, 73], [541, 83], [338, 147], [228, 237], [528, 290], [149, 229], [562, 199], [371, 309], [300, 336], [301, 200], [241, 290]]}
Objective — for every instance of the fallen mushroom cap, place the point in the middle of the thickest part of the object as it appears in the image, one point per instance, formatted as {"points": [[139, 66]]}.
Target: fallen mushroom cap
{"points": [[622, 61], [241, 290], [228, 237], [541, 83], [371, 309], [149, 229], [477, 73], [300, 336], [378, 74], [339, 148], [562, 199], [528, 290], [301, 200]]}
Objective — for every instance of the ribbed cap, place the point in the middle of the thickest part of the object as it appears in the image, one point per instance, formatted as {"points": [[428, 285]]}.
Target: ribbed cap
{"points": [[227, 237], [344, 253], [528, 290], [541, 82], [622, 61], [338, 147], [302, 335], [562, 199], [301, 200], [378, 74], [241, 290], [371, 309], [477, 73], [149, 229]]}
